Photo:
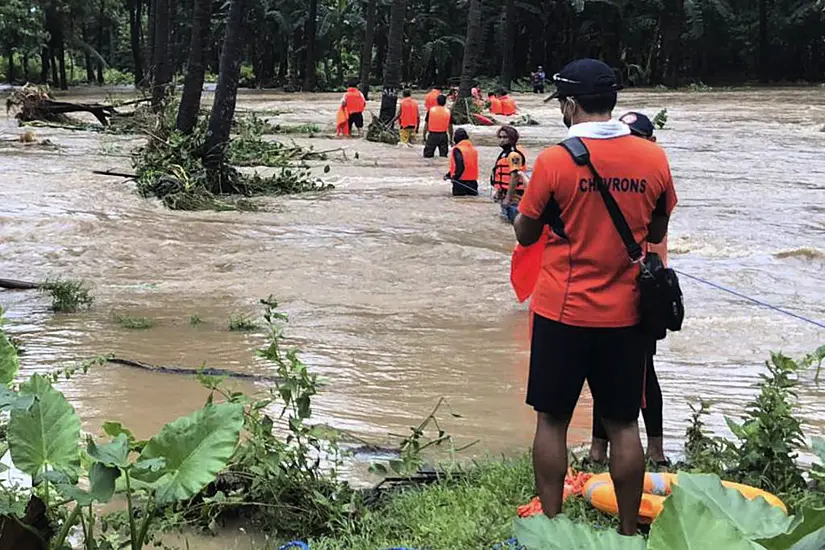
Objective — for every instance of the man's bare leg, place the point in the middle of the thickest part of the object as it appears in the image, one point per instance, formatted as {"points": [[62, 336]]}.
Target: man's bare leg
{"points": [[598, 450], [627, 470], [550, 461]]}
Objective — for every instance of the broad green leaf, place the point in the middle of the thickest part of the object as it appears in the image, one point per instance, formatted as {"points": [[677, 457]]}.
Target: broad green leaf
{"points": [[560, 533], [9, 362], [114, 429], [115, 453], [102, 479], [47, 435], [818, 447], [753, 518], [11, 400], [196, 448], [811, 520], [687, 523], [814, 541], [55, 477]]}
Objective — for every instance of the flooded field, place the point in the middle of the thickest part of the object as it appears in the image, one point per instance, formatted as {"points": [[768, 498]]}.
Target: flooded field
{"points": [[398, 293]]}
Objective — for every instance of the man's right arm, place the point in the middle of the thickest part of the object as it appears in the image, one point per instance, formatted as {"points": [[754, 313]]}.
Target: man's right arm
{"points": [[665, 204]]}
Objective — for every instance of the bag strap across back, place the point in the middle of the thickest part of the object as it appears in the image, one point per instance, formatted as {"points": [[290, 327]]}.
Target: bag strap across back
{"points": [[581, 156]]}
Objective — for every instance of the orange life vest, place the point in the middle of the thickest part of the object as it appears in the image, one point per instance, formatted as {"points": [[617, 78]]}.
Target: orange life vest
{"points": [[508, 106], [470, 157], [409, 113], [342, 122], [495, 105], [500, 178], [431, 99], [439, 119], [355, 101]]}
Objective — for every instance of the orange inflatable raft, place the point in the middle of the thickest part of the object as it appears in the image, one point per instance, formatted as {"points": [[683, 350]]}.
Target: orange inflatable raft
{"points": [[599, 492]]}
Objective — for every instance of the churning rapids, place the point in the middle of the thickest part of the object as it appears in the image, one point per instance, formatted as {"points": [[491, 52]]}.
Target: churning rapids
{"points": [[398, 293]]}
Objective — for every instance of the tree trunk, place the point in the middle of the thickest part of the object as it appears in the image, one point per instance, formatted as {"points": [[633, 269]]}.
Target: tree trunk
{"points": [[134, 33], [292, 85], [90, 68], [161, 55], [392, 72], [508, 47], [763, 41], [10, 75], [226, 92], [366, 48], [25, 67], [472, 46], [64, 85], [150, 46], [45, 55], [195, 68], [309, 77], [100, 79], [54, 64]]}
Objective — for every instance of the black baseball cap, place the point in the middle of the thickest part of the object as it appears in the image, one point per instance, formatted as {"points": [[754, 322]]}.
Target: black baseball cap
{"points": [[585, 77], [638, 123]]}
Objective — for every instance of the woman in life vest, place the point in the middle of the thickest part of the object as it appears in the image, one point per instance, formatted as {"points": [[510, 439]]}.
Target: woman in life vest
{"points": [[463, 165], [355, 103], [508, 178]]}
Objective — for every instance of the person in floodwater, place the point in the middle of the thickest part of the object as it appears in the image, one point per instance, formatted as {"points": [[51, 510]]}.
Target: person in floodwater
{"points": [[652, 412], [408, 118], [463, 165], [538, 78], [495, 103], [585, 304], [508, 178], [355, 103], [438, 126]]}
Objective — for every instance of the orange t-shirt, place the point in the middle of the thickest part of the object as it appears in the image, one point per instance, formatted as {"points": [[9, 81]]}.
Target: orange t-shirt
{"points": [[438, 119], [495, 105], [409, 113], [588, 280], [431, 99], [355, 101]]}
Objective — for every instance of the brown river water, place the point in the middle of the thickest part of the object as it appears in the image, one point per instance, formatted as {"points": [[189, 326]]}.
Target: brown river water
{"points": [[398, 293]]}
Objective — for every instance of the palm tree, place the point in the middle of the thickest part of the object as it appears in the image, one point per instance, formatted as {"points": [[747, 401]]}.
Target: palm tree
{"points": [[508, 46], [226, 91], [472, 45], [366, 48], [309, 76], [160, 56], [193, 83], [392, 72]]}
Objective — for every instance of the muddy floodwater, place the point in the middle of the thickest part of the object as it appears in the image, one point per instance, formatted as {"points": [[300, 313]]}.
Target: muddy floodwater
{"points": [[398, 293]]}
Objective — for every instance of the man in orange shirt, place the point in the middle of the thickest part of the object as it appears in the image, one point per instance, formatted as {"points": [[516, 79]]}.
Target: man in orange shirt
{"points": [[585, 305], [431, 99], [355, 103], [408, 118], [438, 126], [463, 165], [495, 103]]}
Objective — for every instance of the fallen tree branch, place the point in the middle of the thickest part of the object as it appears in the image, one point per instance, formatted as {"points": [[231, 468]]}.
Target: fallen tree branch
{"points": [[115, 174], [207, 371], [12, 284]]}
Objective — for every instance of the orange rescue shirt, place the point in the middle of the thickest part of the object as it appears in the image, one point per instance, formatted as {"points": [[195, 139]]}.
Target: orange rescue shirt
{"points": [[355, 101], [588, 279], [438, 119], [469, 155], [409, 113], [495, 105], [431, 99]]}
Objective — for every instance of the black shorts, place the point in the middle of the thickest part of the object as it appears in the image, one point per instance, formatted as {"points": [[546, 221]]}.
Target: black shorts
{"points": [[562, 357], [356, 119]]}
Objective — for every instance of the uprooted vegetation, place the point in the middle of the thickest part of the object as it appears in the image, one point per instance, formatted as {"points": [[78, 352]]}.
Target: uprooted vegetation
{"points": [[171, 167]]}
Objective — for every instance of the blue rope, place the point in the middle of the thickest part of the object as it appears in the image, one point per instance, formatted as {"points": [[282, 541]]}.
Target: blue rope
{"points": [[296, 544], [754, 300]]}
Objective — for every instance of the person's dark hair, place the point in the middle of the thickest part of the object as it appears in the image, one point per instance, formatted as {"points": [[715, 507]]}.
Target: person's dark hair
{"points": [[460, 135], [597, 104], [501, 91], [491, 94], [441, 100], [352, 83], [407, 93], [511, 132]]}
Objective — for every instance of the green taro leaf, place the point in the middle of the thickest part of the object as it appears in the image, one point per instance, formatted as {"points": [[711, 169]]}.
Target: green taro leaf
{"points": [[11, 400], [9, 362], [196, 448], [47, 435], [812, 520], [102, 479], [753, 518], [560, 533], [814, 541], [687, 523], [115, 453], [818, 447]]}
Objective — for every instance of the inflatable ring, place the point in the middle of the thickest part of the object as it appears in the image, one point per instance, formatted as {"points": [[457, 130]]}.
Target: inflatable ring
{"points": [[599, 492]]}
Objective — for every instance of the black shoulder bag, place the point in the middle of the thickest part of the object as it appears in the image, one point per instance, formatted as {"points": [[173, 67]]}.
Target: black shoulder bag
{"points": [[661, 297]]}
